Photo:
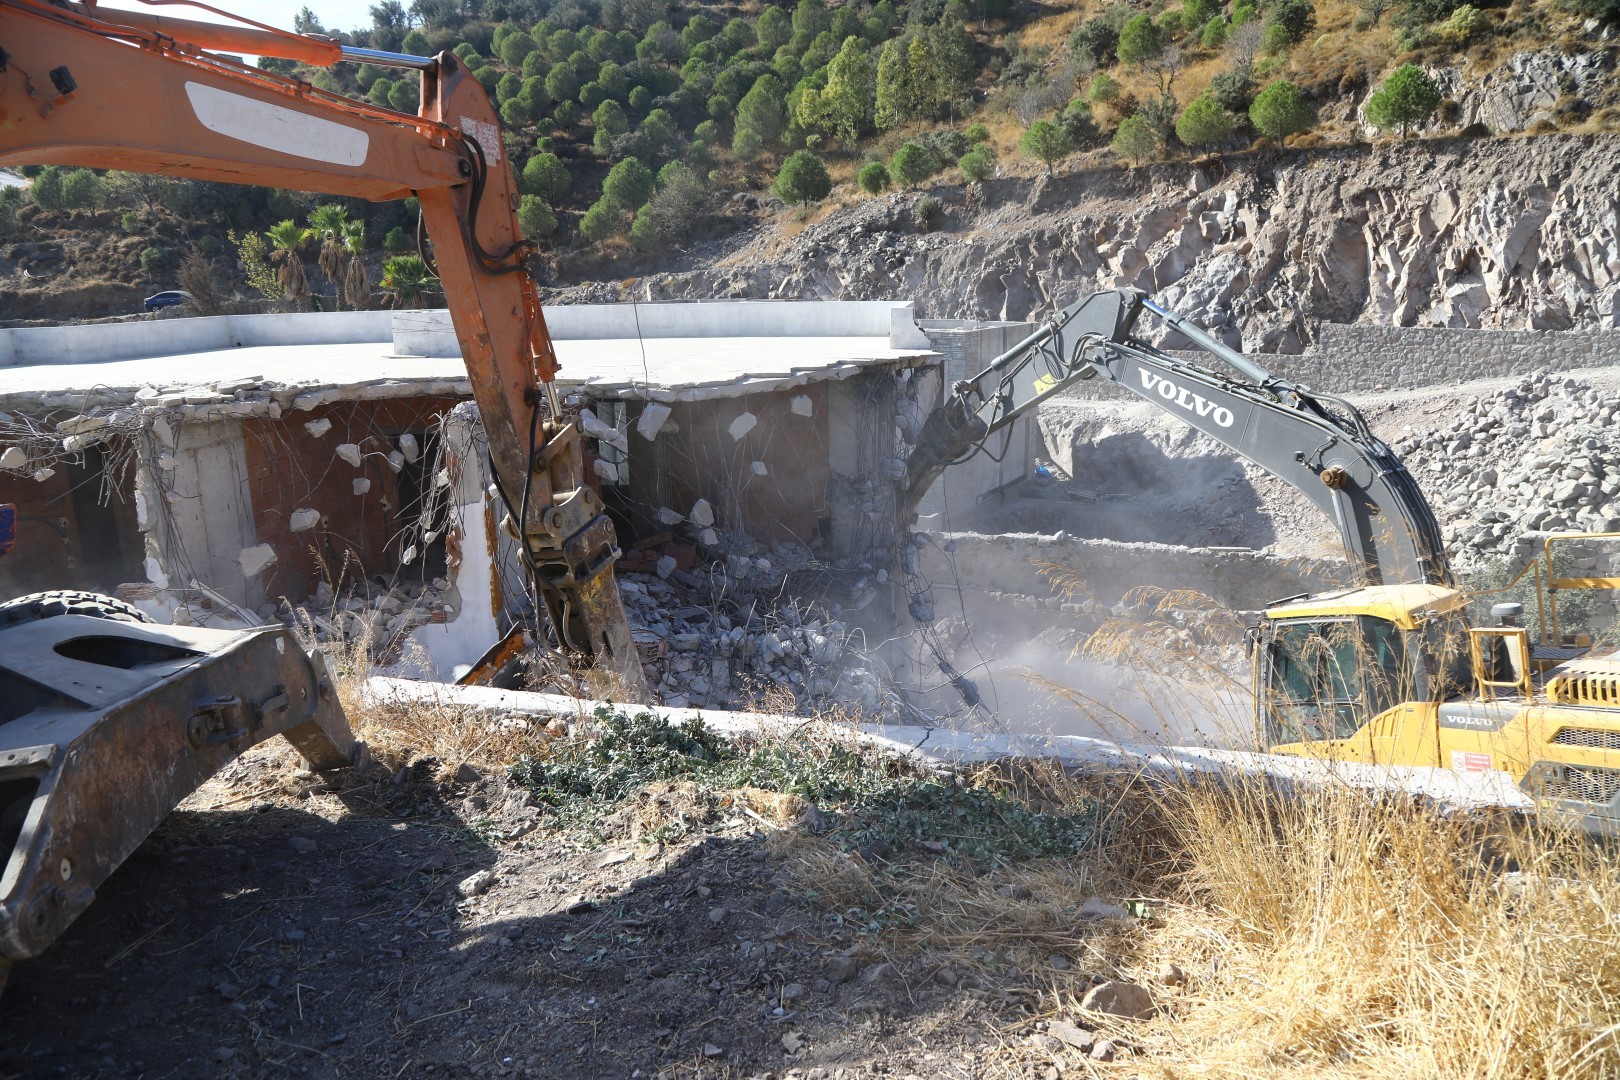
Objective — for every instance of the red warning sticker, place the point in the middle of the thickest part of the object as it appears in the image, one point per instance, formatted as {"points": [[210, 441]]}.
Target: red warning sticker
{"points": [[1470, 761]]}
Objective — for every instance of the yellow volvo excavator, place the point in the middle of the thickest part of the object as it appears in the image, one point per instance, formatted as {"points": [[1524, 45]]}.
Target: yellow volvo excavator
{"points": [[1389, 673]]}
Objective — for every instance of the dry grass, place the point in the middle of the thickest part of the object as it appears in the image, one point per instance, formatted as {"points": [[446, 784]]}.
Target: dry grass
{"points": [[1325, 933]]}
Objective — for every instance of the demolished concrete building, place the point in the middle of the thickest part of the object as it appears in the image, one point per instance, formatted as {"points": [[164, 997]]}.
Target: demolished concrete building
{"points": [[227, 470]]}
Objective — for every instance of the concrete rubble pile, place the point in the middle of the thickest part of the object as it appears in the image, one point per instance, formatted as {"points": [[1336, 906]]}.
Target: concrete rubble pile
{"points": [[1541, 456], [722, 635], [378, 619]]}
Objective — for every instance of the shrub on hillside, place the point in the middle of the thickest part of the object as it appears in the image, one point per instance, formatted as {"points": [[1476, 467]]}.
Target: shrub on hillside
{"points": [[600, 221], [83, 190], [1279, 111], [1406, 99], [1136, 139], [46, 190], [873, 178], [1463, 25], [1048, 143], [803, 179], [1233, 90], [1204, 123], [535, 217], [1095, 40], [926, 213], [977, 164], [911, 165]]}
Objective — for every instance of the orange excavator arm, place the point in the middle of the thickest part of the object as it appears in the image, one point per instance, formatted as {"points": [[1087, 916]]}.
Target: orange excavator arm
{"points": [[108, 89]]}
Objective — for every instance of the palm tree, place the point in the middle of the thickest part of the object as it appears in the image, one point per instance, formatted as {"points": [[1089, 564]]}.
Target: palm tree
{"points": [[405, 278], [356, 285], [285, 241], [327, 223]]}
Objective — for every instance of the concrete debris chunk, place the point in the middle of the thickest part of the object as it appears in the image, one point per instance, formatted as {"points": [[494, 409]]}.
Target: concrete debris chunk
{"points": [[742, 425], [303, 520], [15, 458], [361, 485], [709, 538], [477, 884], [651, 421], [802, 405], [608, 471], [702, 514], [164, 431], [319, 427], [408, 446], [349, 452], [44, 474], [255, 559], [78, 425], [666, 516], [396, 460], [758, 469], [666, 566], [1119, 999]]}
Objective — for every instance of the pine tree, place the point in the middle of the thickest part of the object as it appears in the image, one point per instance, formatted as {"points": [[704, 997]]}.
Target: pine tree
{"points": [[803, 179], [1407, 98], [1047, 142], [1279, 111], [893, 105], [922, 78]]}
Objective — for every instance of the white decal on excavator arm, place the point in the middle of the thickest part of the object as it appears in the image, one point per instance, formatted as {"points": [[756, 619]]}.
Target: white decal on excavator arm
{"points": [[276, 127], [1183, 398]]}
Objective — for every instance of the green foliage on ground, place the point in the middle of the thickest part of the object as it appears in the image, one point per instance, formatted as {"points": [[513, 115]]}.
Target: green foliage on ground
{"points": [[860, 798]]}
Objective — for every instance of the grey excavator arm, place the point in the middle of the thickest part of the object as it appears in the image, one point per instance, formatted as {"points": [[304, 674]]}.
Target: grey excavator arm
{"points": [[1318, 443]]}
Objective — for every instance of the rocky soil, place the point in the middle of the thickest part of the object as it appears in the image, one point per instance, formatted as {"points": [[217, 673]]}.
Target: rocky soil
{"points": [[1495, 233]]}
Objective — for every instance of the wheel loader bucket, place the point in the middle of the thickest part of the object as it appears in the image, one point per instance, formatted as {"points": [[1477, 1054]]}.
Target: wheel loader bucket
{"points": [[105, 726]]}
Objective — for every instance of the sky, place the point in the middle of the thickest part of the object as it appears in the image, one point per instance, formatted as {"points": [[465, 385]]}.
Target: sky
{"points": [[334, 14]]}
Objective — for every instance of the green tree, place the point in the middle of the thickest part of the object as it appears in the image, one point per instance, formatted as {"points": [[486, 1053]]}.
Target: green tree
{"points": [[508, 88], [326, 224], [1407, 98], [1233, 89], [83, 190], [252, 254], [1279, 111], [562, 83], [842, 109], [1135, 139], [405, 279], [356, 283], [1046, 142], [955, 68], [416, 43], [911, 165], [923, 78], [287, 240], [1296, 17], [545, 175], [1196, 13], [1076, 122], [1203, 123], [1095, 40], [761, 115], [893, 94], [810, 18], [1214, 33], [1140, 40], [395, 241], [873, 178], [601, 220], [535, 217], [628, 183], [1102, 89], [46, 190], [803, 179], [977, 164], [609, 121], [774, 28], [403, 96]]}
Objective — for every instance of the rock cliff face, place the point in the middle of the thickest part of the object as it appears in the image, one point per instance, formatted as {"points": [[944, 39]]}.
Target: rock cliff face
{"points": [[1519, 233]]}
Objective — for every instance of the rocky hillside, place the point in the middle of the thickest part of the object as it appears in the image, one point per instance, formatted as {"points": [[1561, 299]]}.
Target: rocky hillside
{"points": [[1493, 233]]}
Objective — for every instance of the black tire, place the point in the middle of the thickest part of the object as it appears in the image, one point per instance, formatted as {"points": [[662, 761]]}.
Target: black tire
{"points": [[44, 605]]}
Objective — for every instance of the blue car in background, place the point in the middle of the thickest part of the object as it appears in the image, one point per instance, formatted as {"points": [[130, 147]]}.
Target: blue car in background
{"points": [[167, 298]]}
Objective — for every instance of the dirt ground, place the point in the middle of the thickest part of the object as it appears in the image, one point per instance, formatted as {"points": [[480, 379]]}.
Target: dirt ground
{"points": [[275, 925]]}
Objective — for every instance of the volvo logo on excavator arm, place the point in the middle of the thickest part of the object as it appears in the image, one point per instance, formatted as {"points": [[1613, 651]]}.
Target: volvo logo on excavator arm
{"points": [[1184, 398]]}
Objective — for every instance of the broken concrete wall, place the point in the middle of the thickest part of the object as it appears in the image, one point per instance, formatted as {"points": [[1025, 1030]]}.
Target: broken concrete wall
{"points": [[1013, 563], [76, 522], [760, 461], [967, 348], [346, 502]]}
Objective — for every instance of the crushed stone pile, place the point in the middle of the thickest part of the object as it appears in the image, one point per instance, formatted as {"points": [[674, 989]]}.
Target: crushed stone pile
{"points": [[1541, 456], [724, 634], [379, 619]]}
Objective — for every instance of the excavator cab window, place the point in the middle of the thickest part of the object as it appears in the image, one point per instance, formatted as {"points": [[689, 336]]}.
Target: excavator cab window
{"points": [[1325, 678]]}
